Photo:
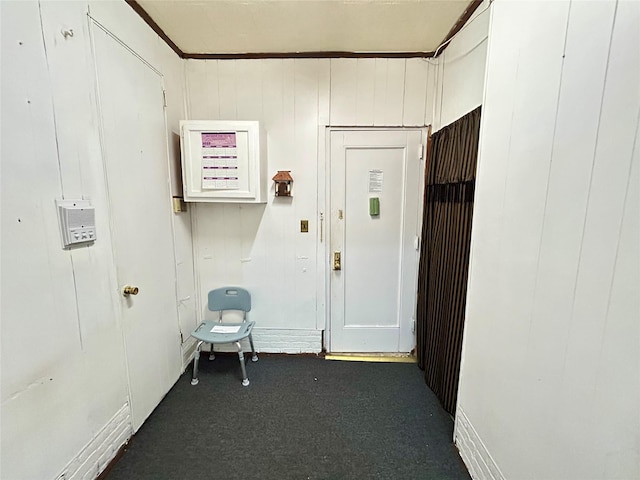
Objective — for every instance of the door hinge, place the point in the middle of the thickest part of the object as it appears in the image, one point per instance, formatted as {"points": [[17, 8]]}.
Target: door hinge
{"points": [[416, 242], [164, 98], [421, 152], [181, 338], [413, 325]]}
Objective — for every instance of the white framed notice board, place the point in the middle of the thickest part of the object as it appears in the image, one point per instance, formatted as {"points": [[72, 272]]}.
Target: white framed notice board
{"points": [[223, 161]]}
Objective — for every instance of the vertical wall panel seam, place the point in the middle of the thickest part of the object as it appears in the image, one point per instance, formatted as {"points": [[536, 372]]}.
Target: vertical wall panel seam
{"points": [[282, 83], [235, 87], [207, 86], [385, 92], [193, 230], [617, 251], [549, 170], [172, 218], [357, 91], [217, 64], [295, 242], [261, 70], [75, 293], [404, 93], [187, 90], [53, 110], [433, 67], [185, 95], [317, 196], [329, 97], [60, 176], [593, 161]]}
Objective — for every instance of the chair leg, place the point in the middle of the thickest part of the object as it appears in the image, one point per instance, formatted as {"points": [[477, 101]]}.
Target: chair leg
{"points": [[212, 356], [245, 380], [196, 359], [254, 355]]}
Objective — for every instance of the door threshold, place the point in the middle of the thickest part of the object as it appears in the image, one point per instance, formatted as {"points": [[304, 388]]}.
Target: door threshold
{"points": [[372, 357]]}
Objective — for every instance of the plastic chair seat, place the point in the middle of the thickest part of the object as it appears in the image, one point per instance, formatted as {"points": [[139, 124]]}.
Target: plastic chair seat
{"points": [[204, 333]]}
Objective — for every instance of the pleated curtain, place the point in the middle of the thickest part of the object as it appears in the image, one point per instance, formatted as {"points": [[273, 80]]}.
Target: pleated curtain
{"points": [[444, 256]]}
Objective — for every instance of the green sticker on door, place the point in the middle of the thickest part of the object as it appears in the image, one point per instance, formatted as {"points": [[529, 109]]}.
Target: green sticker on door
{"points": [[374, 206]]}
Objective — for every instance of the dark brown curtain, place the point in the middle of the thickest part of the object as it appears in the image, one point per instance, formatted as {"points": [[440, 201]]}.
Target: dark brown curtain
{"points": [[444, 255]]}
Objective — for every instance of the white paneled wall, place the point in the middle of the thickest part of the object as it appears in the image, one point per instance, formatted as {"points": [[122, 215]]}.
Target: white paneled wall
{"points": [[64, 381], [174, 84], [348, 91], [64, 394], [549, 384], [60, 340], [260, 246], [550, 379], [458, 82]]}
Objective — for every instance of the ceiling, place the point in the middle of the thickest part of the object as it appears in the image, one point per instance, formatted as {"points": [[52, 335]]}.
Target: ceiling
{"points": [[304, 26]]}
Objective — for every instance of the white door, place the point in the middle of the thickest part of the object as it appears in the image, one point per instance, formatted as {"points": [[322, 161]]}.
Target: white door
{"points": [[373, 293], [135, 149]]}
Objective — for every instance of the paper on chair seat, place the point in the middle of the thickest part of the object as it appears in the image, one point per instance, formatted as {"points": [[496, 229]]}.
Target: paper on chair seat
{"points": [[226, 329]]}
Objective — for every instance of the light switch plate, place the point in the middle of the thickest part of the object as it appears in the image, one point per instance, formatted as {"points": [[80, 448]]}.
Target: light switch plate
{"points": [[304, 226]]}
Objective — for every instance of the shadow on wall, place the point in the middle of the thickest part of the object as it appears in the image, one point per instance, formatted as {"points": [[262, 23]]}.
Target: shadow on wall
{"points": [[175, 165], [229, 247], [225, 238]]}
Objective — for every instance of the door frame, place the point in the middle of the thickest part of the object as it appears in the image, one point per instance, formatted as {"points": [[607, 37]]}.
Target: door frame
{"points": [[323, 319]]}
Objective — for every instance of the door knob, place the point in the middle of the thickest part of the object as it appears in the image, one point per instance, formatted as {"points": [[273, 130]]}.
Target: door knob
{"points": [[337, 264], [129, 290]]}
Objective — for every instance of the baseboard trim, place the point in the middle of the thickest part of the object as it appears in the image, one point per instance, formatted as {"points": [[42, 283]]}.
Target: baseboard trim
{"points": [[271, 340], [473, 451], [188, 349], [283, 340], [103, 475], [99, 453]]}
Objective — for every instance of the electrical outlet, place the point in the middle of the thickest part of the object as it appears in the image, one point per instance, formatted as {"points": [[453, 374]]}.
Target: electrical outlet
{"points": [[304, 226]]}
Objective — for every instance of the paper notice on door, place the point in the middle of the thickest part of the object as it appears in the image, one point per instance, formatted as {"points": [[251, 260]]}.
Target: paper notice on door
{"points": [[226, 329], [375, 181]]}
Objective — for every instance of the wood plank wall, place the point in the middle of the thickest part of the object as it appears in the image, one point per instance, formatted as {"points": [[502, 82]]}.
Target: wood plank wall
{"points": [[261, 247], [61, 334], [551, 362]]}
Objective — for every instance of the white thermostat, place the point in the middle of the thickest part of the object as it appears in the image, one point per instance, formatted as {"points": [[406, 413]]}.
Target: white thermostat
{"points": [[77, 222]]}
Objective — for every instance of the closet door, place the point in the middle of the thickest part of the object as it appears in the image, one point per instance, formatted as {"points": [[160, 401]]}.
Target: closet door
{"points": [[134, 146]]}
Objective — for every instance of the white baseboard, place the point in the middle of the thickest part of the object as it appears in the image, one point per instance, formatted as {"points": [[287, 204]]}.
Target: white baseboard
{"points": [[277, 340], [473, 451], [97, 454], [188, 349], [270, 340]]}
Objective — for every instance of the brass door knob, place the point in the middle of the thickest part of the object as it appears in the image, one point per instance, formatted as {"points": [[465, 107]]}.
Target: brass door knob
{"points": [[129, 290]]}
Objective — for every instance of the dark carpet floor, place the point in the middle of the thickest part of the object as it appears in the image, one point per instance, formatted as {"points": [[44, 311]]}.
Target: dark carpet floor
{"points": [[302, 417]]}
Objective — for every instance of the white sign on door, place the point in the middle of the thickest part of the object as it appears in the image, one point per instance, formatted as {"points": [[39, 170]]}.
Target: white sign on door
{"points": [[375, 181]]}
